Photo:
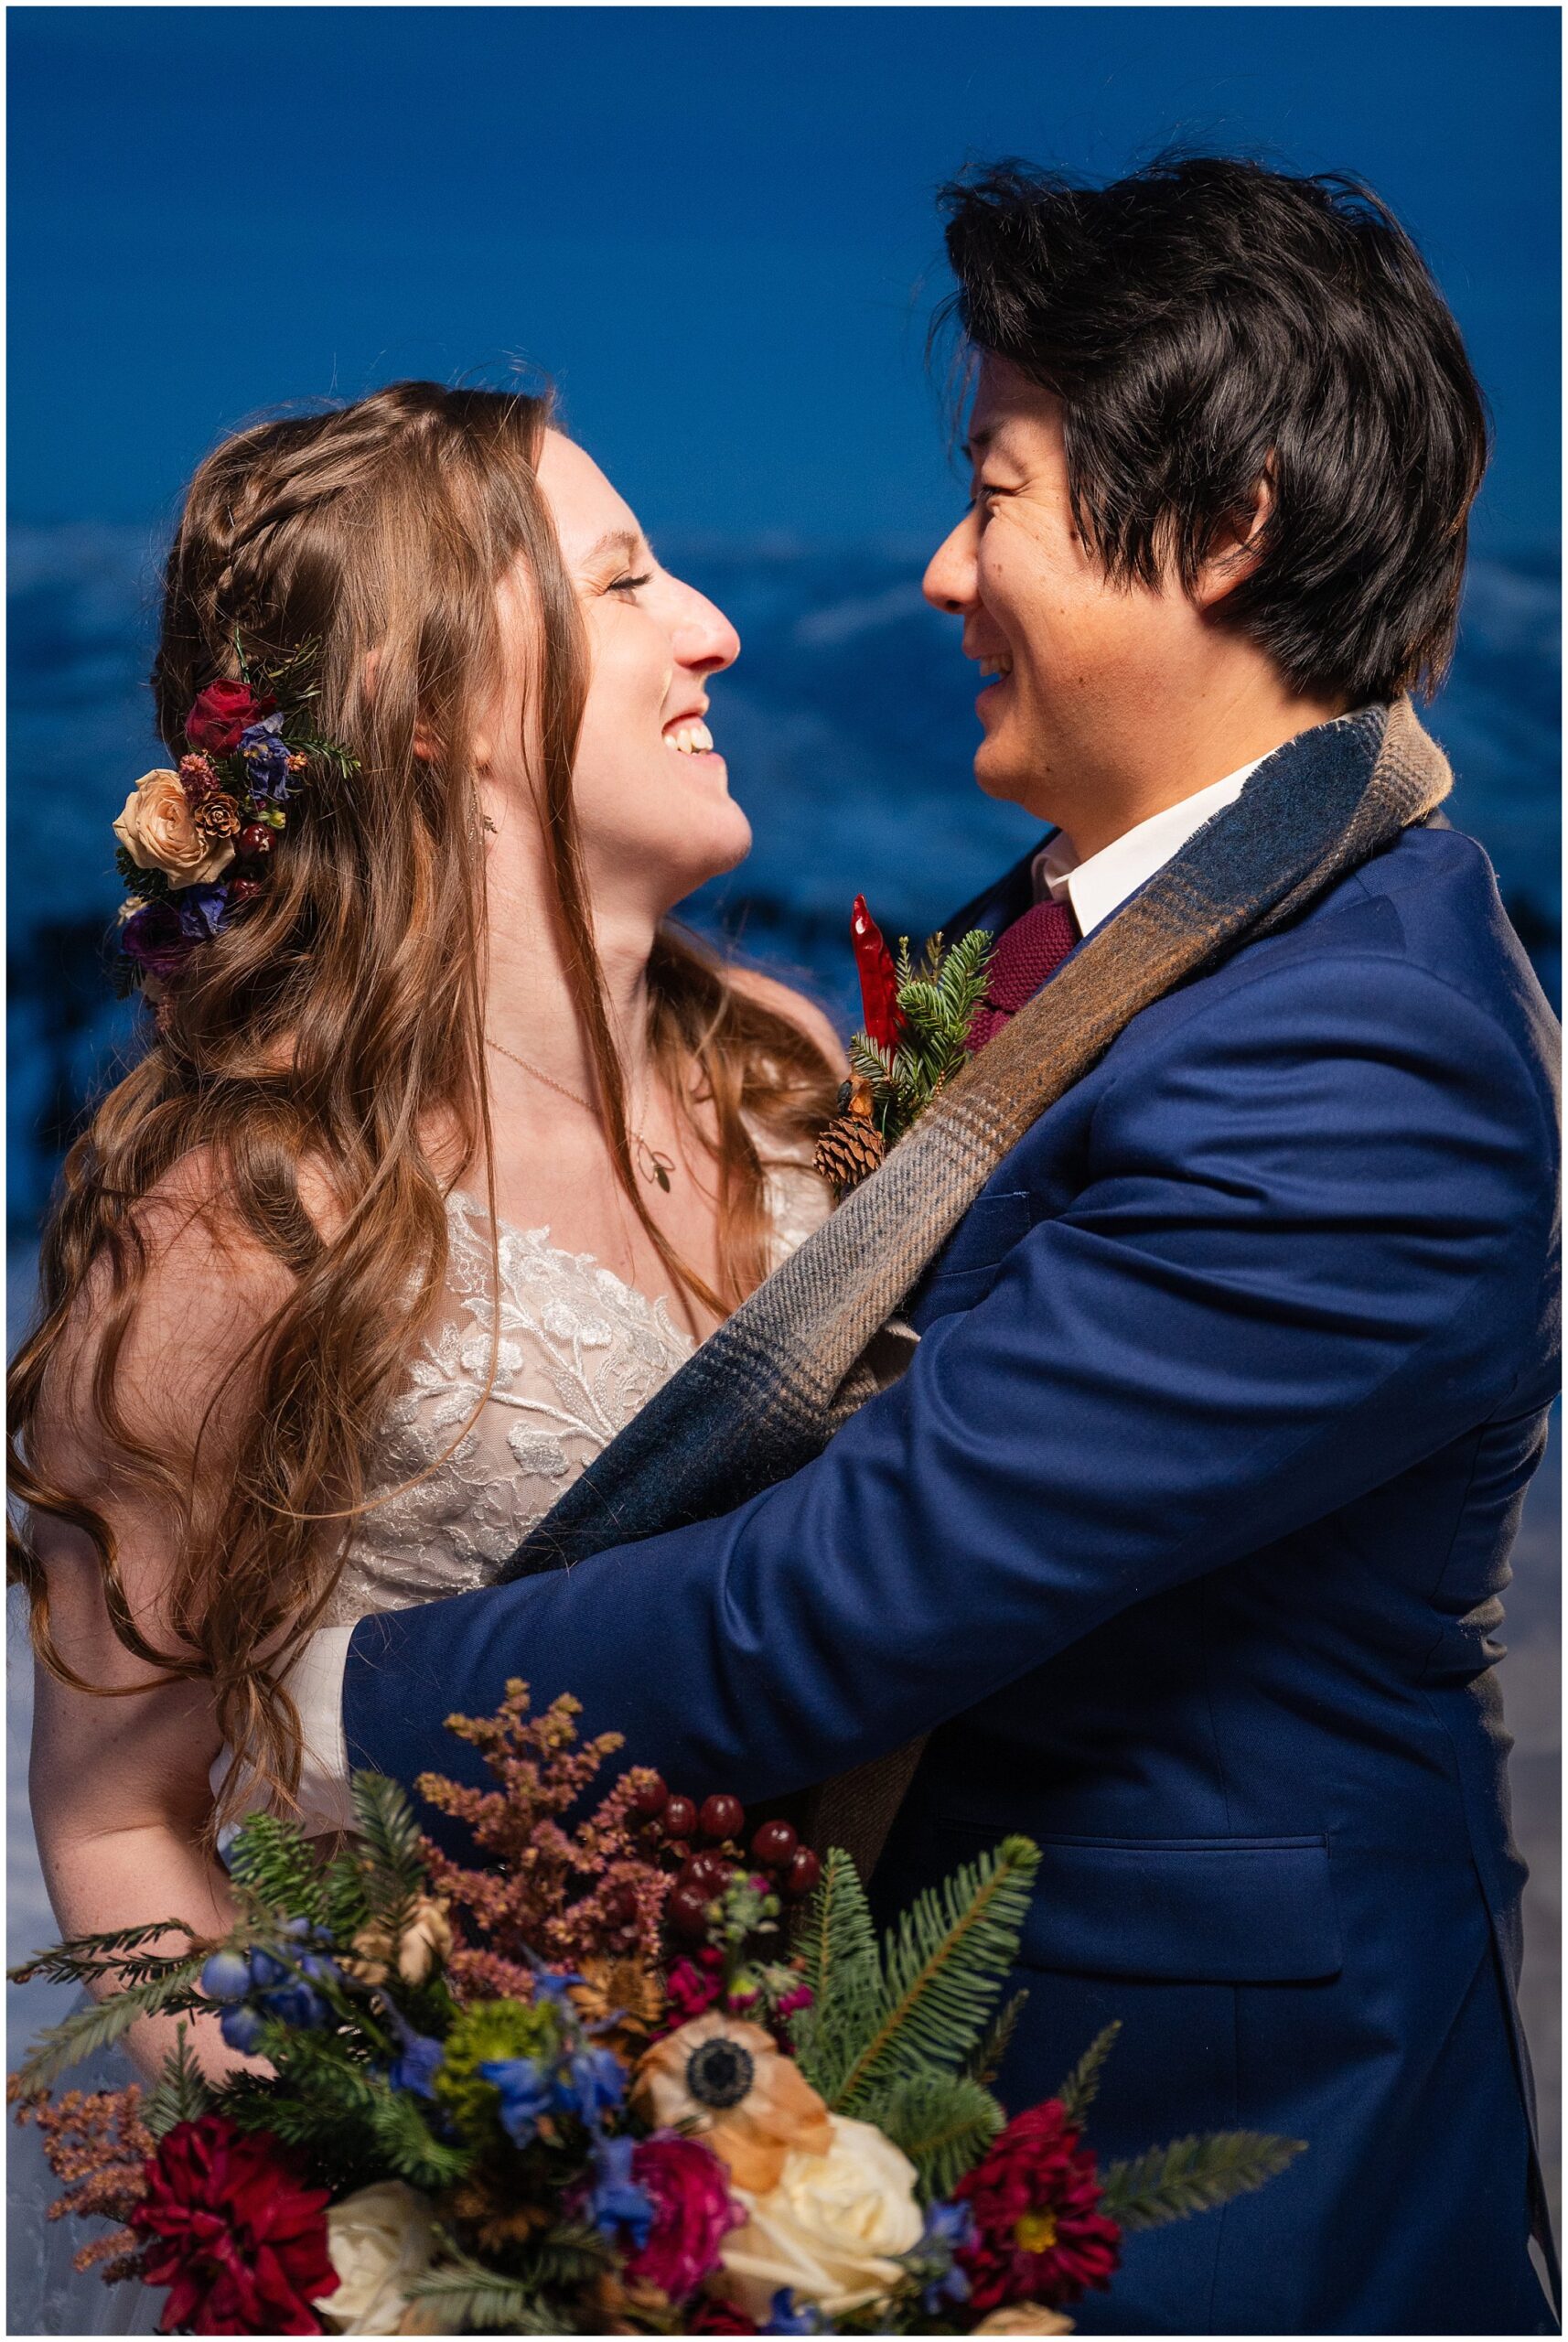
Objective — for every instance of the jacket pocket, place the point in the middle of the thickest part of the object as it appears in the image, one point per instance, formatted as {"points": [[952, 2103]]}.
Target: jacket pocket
{"points": [[1193, 1910]]}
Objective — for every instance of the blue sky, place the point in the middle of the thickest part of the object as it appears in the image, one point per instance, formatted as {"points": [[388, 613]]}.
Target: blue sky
{"points": [[714, 226]]}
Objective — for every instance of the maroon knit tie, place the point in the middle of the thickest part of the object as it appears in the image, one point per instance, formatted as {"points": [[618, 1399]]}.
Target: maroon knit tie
{"points": [[1028, 951]]}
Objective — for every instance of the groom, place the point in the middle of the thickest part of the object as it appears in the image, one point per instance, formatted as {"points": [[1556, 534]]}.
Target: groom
{"points": [[1184, 1534]]}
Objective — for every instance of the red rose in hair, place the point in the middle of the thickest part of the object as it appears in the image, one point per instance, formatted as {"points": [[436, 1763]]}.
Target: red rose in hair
{"points": [[221, 713], [232, 2231], [1039, 2233]]}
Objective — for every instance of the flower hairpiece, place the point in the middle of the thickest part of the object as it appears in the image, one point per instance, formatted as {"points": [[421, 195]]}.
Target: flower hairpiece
{"points": [[194, 843]]}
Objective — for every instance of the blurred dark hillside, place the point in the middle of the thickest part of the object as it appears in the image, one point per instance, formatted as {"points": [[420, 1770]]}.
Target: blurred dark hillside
{"points": [[848, 725]]}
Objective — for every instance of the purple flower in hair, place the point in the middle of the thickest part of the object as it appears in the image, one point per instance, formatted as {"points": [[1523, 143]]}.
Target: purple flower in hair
{"points": [[266, 756], [201, 911], [156, 939]]}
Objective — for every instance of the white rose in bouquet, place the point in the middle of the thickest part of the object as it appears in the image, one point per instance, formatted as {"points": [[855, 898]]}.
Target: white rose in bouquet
{"points": [[381, 2241], [829, 2228]]}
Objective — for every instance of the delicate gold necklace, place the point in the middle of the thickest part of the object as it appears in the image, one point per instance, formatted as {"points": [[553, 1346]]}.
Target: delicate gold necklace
{"points": [[654, 1166]]}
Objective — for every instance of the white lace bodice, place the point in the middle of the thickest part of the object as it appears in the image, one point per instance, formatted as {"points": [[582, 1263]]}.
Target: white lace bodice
{"points": [[577, 1352]]}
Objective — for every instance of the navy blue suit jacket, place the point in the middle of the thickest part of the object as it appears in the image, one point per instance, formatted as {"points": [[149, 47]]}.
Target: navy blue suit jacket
{"points": [[1184, 1536]]}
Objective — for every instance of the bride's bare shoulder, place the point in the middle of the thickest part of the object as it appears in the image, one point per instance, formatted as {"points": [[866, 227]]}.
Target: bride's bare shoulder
{"points": [[166, 1326], [795, 1007]]}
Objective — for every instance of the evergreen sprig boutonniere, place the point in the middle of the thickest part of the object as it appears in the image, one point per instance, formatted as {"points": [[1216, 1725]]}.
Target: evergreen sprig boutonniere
{"points": [[915, 1038]]}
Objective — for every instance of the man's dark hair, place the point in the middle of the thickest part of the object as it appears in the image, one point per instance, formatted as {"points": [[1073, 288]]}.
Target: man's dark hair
{"points": [[1208, 324]]}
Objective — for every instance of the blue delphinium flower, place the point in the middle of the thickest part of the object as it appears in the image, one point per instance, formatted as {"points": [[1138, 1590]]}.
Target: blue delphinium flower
{"points": [[241, 2026], [949, 2228], [226, 1976], [788, 2315], [202, 910], [417, 2065], [296, 2004], [589, 2084], [266, 759], [617, 2205], [525, 2094], [551, 1983]]}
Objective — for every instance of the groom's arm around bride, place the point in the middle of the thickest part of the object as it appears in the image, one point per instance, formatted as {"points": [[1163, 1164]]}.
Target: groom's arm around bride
{"points": [[1183, 1535]]}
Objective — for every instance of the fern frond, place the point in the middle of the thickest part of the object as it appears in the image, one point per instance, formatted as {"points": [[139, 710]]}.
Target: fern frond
{"points": [[943, 2123], [1192, 2175], [569, 2258], [408, 2145], [983, 2062], [105, 2022], [472, 2299], [942, 1971], [180, 2094], [1078, 2092]]}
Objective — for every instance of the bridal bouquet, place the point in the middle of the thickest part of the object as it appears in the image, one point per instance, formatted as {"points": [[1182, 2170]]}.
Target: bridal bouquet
{"points": [[597, 2086]]}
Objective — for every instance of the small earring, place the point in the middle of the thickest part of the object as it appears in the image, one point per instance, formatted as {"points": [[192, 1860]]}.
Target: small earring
{"points": [[485, 823]]}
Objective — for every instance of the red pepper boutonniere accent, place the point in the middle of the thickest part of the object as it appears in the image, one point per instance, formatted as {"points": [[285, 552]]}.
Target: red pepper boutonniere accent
{"points": [[878, 979]]}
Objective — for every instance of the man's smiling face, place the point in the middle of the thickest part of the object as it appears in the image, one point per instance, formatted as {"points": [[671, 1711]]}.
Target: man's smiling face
{"points": [[1078, 670]]}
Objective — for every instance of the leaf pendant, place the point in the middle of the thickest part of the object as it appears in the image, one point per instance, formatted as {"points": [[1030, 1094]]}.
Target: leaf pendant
{"points": [[654, 1166]]}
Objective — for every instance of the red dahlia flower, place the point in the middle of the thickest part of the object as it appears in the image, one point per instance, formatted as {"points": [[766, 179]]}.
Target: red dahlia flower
{"points": [[1039, 2235], [241, 2245], [878, 978], [693, 2211], [221, 713]]}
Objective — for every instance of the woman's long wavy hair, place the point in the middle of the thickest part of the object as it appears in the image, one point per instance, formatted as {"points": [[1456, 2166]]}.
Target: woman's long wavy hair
{"points": [[340, 1022]]}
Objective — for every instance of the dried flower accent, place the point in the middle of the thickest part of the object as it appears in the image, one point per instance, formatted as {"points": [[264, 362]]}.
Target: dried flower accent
{"points": [[564, 1897], [198, 779], [97, 2146], [423, 1945]]}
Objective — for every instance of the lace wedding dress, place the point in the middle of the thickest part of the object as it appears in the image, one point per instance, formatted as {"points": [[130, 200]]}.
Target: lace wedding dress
{"points": [[459, 1476]]}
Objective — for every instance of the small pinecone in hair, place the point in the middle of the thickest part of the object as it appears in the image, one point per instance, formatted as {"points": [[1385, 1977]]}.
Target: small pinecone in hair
{"points": [[216, 817], [850, 1147]]}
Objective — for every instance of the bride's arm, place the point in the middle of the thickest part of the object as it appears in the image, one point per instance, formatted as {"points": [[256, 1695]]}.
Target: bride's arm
{"points": [[119, 1775], [119, 1789]]}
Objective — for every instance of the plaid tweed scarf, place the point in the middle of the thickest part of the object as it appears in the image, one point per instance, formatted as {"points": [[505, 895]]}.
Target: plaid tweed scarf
{"points": [[766, 1392]]}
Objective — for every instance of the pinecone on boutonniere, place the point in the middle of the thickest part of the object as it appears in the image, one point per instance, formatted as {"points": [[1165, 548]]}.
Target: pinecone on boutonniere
{"points": [[915, 1038]]}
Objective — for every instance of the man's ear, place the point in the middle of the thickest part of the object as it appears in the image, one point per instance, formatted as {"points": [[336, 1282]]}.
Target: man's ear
{"points": [[1237, 544]]}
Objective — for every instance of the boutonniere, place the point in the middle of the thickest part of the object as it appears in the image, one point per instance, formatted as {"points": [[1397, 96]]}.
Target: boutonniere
{"points": [[914, 1039]]}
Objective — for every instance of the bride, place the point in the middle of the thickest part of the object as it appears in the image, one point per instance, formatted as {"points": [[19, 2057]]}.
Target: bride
{"points": [[446, 1149]]}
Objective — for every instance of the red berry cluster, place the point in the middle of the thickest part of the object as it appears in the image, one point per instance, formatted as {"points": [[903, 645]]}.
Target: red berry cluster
{"points": [[705, 1842]]}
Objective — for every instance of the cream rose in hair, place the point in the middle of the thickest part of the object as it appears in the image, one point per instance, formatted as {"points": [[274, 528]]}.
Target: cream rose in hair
{"points": [[157, 831], [381, 2241], [829, 2229]]}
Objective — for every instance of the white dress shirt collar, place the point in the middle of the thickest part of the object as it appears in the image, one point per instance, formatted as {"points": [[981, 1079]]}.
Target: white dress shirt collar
{"points": [[1101, 884]]}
